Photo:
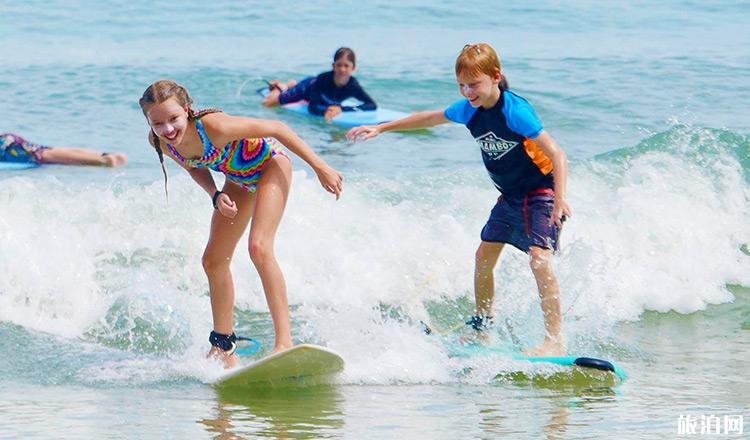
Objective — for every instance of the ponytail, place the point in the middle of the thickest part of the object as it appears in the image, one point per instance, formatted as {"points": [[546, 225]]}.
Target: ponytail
{"points": [[503, 85]]}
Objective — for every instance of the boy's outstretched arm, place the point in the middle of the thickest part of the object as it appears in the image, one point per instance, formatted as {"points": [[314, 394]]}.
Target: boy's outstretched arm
{"points": [[414, 121]]}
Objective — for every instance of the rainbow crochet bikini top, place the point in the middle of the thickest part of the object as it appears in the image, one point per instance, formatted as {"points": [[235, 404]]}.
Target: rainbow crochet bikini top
{"points": [[241, 160]]}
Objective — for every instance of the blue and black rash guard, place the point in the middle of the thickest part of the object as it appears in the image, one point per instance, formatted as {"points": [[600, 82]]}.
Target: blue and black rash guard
{"points": [[324, 93], [505, 135]]}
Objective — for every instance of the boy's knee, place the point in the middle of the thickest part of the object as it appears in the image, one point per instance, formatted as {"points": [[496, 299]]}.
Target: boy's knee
{"points": [[479, 254], [483, 253], [539, 258], [488, 252]]}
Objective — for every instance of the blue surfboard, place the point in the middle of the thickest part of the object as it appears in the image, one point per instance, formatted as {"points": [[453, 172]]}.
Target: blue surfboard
{"points": [[11, 166], [345, 119], [467, 350], [456, 348]]}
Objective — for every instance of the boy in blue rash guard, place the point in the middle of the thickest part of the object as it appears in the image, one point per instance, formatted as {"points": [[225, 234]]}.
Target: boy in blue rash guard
{"points": [[527, 167], [326, 92]]}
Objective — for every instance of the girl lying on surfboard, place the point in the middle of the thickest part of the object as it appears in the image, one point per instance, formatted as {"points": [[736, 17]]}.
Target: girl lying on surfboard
{"points": [[325, 92], [527, 167], [14, 148], [250, 153]]}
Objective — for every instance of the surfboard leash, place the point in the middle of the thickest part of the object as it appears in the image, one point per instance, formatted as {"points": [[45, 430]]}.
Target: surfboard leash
{"points": [[248, 351]]}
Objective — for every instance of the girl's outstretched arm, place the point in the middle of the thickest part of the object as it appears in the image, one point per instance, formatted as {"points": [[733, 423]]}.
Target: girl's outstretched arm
{"points": [[228, 128], [414, 121]]}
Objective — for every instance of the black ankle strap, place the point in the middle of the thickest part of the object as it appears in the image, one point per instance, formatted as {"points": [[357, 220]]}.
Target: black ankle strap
{"points": [[228, 343], [480, 323]]}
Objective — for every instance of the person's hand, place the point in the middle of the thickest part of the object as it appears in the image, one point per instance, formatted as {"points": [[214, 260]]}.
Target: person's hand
{"points": [[363, 132], [560, 212], [332, 112], [226, 206], [332, 180], [274, 84]]}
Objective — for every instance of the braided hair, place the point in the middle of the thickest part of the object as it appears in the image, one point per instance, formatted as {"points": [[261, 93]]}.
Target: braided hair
{"points": [[159, 92]]}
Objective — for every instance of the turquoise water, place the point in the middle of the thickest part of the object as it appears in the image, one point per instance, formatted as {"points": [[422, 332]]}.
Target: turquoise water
{"points": [[104, 312]]}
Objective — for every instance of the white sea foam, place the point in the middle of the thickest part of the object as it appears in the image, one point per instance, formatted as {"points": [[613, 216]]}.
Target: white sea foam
{"points": [[658, 233]]}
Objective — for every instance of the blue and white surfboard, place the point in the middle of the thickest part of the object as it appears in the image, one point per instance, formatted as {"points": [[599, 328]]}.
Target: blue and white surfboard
{"points": [[345, 119]]}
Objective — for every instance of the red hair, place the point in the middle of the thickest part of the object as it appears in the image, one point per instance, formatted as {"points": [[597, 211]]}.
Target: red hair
{"points": [[480, 58]]}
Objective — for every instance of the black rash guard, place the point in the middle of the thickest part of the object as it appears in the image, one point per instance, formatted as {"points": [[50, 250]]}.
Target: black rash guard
{"points": [[324, 93]]}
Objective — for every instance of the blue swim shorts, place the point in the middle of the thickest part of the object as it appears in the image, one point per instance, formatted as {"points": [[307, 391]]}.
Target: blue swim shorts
{"points": [[298, 92], [14, 148], [523, 221]]}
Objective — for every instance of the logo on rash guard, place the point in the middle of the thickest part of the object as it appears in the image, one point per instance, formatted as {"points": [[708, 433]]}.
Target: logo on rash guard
{"points": [[494, 146]]}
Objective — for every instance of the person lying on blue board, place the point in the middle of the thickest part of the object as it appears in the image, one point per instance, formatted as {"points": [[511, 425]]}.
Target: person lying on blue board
{"points": [[326, 92], [14, 148]]}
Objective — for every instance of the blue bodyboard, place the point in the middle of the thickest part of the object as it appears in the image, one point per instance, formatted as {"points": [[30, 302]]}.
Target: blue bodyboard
{"points": [[345, 119], [10, 166]]}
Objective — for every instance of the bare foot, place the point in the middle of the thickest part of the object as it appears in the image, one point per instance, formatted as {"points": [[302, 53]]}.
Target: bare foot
{"points": [[114, 159], [473, 337], [229, 361], [278, 348], [550, 347]]}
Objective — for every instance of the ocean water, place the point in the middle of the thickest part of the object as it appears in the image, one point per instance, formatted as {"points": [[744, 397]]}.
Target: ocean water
{"points": [[104, 309]]}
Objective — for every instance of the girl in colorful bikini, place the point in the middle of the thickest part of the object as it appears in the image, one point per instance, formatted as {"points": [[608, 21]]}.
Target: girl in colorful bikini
{"points": [[527, 167], [14, 148], [249, 152]]}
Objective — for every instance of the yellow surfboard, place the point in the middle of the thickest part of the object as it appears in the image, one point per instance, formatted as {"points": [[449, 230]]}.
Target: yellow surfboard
{"points": [[304, 364]]}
